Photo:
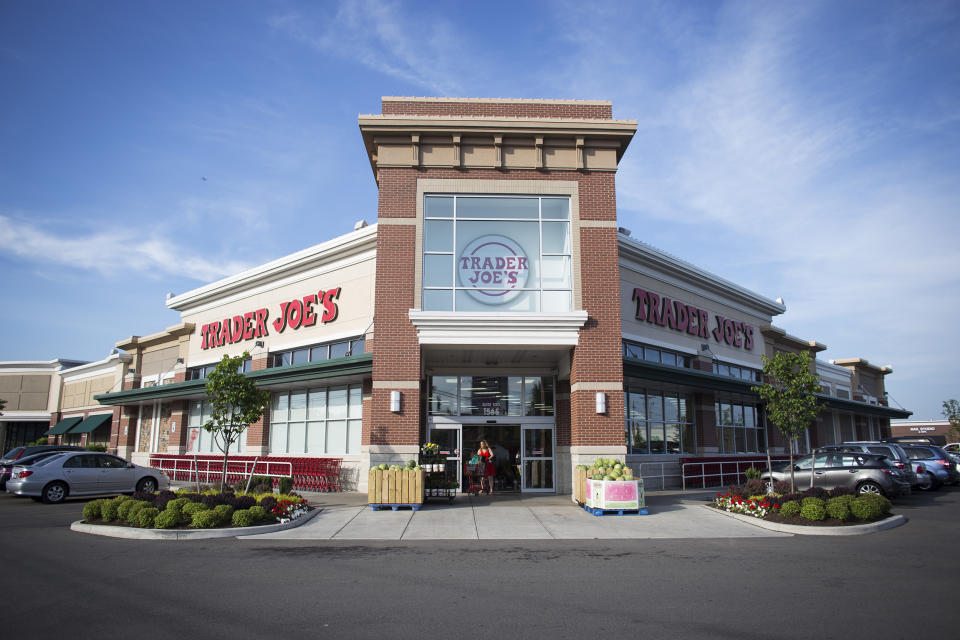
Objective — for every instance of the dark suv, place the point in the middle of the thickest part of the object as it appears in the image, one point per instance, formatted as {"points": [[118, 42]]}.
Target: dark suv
{"points": [[15, 455], [892, 450]]}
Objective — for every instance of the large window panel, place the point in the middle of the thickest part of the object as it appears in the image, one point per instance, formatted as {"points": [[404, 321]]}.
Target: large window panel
{"points": [[497, 207], [324, 420], [438, 270]]}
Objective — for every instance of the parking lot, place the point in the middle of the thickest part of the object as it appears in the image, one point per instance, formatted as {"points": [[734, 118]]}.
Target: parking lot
{"points": [[891, 584]]}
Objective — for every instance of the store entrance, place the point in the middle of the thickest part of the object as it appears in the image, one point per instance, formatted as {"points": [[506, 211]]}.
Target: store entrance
{"points": [[504, 440]]}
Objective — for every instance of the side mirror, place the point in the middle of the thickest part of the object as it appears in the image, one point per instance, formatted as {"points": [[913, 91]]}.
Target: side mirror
{"points": [[130, 465]]}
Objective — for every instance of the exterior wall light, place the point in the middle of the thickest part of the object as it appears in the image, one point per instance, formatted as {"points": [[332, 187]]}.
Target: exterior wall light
{"points": [[395, 401], [601, 402]]}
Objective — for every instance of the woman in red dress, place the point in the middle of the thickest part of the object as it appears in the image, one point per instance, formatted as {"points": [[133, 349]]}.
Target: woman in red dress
{"points": [[486, 454]]}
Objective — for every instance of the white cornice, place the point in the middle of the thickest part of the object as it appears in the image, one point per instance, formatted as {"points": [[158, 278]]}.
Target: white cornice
{"points": [[486, 328], [39, 366], [99, 368], [643, 255], [286, 267]]}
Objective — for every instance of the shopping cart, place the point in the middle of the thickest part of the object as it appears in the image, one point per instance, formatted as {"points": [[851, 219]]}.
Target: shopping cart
{"points": [[472, 475]]}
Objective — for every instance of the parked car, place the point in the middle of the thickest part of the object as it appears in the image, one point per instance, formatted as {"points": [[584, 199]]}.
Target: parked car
{"points": [[938, 467], [7, 467], [892, 450], [81, 474], [861, 472], [19, 452]]}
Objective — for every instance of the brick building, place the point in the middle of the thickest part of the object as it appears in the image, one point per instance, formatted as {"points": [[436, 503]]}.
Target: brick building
{"points": [[495, 298]]}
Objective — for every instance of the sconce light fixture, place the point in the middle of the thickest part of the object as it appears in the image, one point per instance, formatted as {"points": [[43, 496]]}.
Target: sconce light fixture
{"points": [[395, 401], [601, 402], [258, 343]]}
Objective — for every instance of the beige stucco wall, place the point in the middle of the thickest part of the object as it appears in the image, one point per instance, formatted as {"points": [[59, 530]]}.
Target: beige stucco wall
{"points": [[664, 336], [26, 392], [354, 313], [79, 393]]}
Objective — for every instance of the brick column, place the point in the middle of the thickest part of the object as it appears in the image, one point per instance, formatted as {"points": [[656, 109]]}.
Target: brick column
{"points": [[179, 416], [126, 433]]}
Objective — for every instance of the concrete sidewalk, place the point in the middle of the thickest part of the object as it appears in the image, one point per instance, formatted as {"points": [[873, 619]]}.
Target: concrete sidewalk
{"points": [[672, 514]]}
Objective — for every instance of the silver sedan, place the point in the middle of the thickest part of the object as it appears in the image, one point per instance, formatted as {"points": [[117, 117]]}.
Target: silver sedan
{"points": [[81, 474]]}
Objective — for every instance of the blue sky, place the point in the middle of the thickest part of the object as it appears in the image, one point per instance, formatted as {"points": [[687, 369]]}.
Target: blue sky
{"points": [[801, 149]]}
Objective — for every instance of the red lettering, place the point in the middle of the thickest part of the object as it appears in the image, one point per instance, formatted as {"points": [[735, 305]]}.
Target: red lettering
{"points": [[641, 297], [653, 307], [294, 314], [738, 333], [748, 336], [682, 319], [521, 263], [203, 334], [474, 262], [718, 330], [261, 330], [309, 318], [224, 337], [248, 325], [330, 310], [729, 332], [669, 317], [236, 333], [501, 263], [511, 277], [704, 321], [281, 322], [693, 328]]}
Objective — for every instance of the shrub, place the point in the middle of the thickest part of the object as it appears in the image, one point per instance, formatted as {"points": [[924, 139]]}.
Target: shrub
{"points": [[735, 490], [782, 487], [164, 498], [842, 491], [790, 508], [242, 502], [123, 498], [101, 448], [167, 519], [794, 497], [108, 511], [191, 508], [285, 485], [135, 507], [224, 513], [839, 508], [268, 503], [92, 510], [204, 519], [869, 507], [258, 513], [754, 487], [148, 496], [752, 474], [243, 518], [817, 492], [813, 509], [811, 499], [145, 517]]}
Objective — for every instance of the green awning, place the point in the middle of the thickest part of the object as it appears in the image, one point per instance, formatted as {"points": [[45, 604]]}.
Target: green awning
{"points": [[92, 423], [63, 426]]}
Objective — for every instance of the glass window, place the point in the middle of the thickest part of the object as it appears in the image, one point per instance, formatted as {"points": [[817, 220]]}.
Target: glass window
{"points": [[317, 421], [317, 404], [658, 422], [339, 349], [319, 354], [486, 254]]}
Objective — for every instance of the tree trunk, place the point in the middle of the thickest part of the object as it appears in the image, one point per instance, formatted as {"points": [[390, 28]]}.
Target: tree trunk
{"points": [[769, 470], [793, 486], [226, 457]]}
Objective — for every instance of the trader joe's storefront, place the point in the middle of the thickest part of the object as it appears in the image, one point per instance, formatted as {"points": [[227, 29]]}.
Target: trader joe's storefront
{"points": [[514, 414]]}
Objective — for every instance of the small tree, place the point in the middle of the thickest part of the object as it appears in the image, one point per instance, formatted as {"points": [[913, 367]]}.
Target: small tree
{"points": [[951, 411], [788, 392], [235, 402]]}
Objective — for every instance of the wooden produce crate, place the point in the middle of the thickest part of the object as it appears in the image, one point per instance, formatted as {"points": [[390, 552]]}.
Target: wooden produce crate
{"points": [[580, 486], [397, 487]]}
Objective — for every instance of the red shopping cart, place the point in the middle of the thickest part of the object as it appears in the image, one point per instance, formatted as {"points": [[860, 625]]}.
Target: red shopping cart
{"points": [[472, 475]]}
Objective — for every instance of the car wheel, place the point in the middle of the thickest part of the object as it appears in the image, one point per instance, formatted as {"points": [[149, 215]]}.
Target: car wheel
{"points": [[147, 485], [934, 483], [870, 487], [54, 493], [925, 482]]}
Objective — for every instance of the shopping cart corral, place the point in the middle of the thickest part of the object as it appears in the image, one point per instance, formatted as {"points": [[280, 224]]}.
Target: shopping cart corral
{"points": [[307, 474]]}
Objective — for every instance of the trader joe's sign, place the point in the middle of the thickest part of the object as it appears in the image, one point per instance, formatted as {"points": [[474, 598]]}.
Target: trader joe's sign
{"points": [[319, 307], [679, 316]]}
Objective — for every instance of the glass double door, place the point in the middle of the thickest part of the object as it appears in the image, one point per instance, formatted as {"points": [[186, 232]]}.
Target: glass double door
{"points": [[523, 458]]}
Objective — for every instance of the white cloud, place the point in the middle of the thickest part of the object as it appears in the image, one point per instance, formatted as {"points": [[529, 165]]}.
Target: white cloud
{"points": [[382, 36], [111, 253]]}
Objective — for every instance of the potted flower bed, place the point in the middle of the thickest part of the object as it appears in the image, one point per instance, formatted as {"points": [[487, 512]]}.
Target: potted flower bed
{"points": [[186, 510]]}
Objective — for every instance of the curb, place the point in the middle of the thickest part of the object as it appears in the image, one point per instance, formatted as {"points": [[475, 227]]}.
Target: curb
{"points": [[851, 530], [180, 534]]}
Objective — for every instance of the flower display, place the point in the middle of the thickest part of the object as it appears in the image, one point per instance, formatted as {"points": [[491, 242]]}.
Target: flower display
{"points": [[287, 510], [739, 504]]}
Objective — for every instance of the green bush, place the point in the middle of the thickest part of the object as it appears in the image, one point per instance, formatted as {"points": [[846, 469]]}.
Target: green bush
{"points": [[191, 508], [839, 508], [108, 511], [123, 498], [752, 473], [258, 513], [145, 517], [224, 513], [167, 519], [205, 519], [285, 485], [243, 518], [101, 448], [129, 509], [813, 509], [790, 508], [869, 507], [92, 510]]}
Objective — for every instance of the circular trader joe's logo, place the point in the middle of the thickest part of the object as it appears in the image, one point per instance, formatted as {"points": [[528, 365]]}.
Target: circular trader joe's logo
{"points": [[494, 269]]}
